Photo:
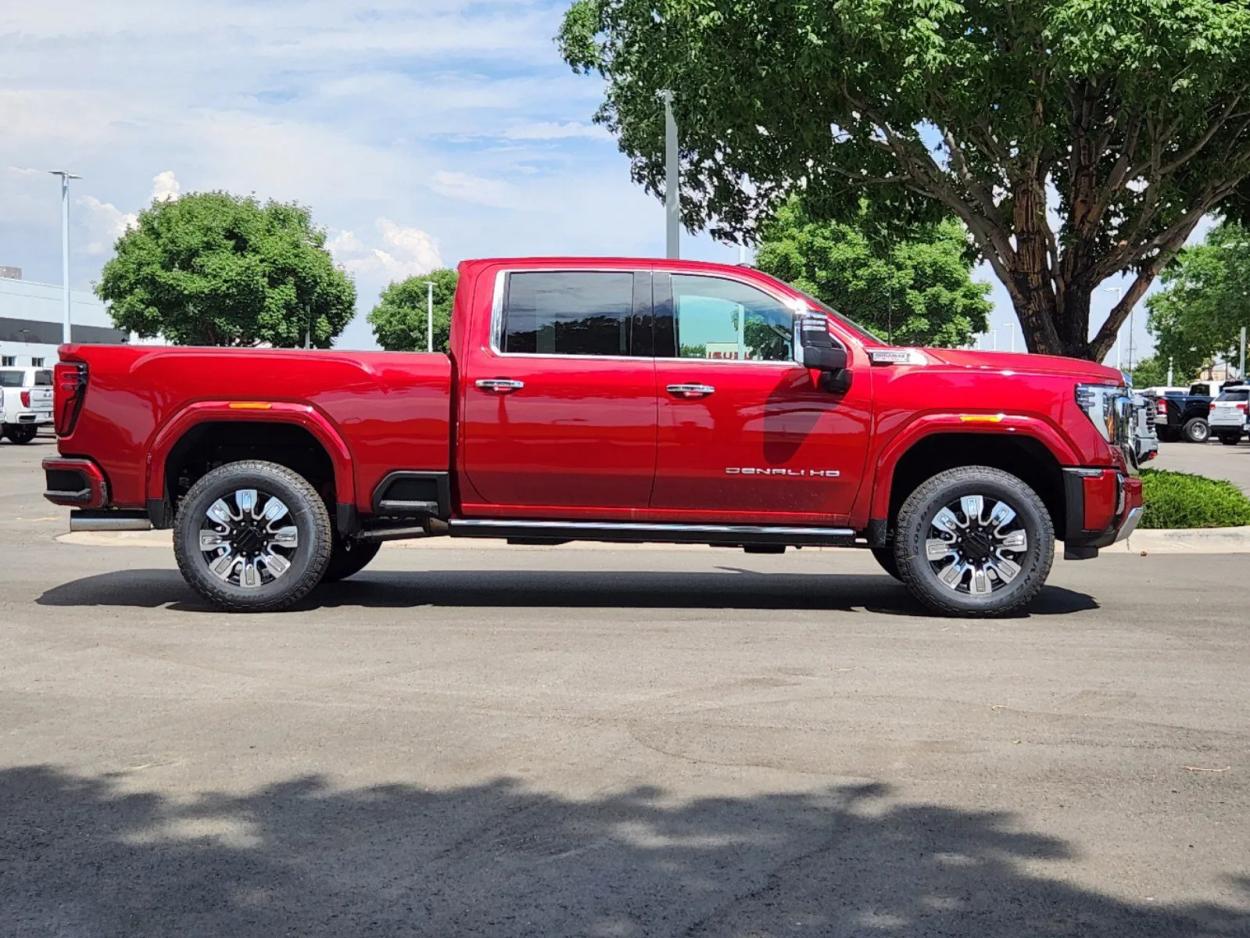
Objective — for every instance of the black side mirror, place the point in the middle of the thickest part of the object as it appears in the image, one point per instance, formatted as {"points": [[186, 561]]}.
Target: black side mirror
{"points": [[815, 348]]}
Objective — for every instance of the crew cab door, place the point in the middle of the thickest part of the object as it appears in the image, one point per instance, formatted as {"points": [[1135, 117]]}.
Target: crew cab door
{"points": [[746, 433], [559, 412]]}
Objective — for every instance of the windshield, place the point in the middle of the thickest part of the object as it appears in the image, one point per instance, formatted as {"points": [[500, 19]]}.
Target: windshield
{"points": [[11, 379]]}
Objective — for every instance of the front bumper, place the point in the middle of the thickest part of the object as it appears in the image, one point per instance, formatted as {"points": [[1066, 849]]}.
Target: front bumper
{"points": [[1103, 506]]}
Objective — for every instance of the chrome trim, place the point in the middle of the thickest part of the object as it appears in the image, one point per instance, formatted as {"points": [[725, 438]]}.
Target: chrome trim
{"points": [[99, 523], [499, 384], [1129, 524], [648, 527], [691, 390]]}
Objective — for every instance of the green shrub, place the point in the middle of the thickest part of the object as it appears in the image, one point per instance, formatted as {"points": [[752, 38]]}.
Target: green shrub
{"points": [[1184, 500]]}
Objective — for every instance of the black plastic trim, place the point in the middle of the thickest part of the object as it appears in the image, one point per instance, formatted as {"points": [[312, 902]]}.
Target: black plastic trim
{"points": [[384, 506], [738, 535]]}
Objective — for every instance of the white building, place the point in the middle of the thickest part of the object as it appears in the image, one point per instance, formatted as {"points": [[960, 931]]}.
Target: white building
{"points": [[31, 315]]}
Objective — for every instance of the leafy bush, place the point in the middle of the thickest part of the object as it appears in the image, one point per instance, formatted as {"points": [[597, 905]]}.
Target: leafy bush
{"points": [[1184, 500]]}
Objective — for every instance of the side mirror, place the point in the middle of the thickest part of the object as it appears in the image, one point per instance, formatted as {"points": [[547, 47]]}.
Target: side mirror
{"points": [[815, 348]]}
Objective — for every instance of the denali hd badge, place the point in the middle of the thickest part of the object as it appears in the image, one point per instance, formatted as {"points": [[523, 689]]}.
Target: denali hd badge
{"points": [[784, 473]]}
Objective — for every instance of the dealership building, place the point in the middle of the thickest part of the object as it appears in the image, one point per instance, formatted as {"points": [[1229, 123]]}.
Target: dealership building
{"points": [[31, 315]]}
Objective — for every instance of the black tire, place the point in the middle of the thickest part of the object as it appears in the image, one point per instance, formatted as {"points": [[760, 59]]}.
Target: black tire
{"points": [[20, 434], [1197, 431], [349, 557], [307, 561], [915, 523], [885, 557], [1229, 440]]}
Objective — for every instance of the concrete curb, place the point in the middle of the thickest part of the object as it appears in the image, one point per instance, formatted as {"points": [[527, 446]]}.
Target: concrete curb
{"points": [[1194, 541]]}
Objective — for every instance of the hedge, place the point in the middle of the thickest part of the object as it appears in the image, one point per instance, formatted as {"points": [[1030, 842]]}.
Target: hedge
{"points": [[1184, 500]]}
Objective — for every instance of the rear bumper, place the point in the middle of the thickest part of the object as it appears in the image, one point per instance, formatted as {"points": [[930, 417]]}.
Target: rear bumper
{"points": [[77, 483], [1103, 506], [37, 417]]}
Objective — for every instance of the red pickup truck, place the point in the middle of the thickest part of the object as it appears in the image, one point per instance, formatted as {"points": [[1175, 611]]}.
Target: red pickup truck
{"points": [[607, 400]]}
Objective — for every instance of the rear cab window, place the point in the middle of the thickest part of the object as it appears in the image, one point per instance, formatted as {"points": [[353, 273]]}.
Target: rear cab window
{"points": [[568, 312], [43, 378]]}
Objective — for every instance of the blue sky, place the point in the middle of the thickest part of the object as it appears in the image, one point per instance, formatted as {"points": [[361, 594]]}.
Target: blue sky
{"points": [[420, 132]]}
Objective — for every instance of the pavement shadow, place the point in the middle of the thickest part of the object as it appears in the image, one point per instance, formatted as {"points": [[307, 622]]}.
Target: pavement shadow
{"points": [[559, 589], [102, 857]]}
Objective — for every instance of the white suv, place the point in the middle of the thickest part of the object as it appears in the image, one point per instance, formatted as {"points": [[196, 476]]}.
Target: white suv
{"points": [[1227, 415], [27, 402]]}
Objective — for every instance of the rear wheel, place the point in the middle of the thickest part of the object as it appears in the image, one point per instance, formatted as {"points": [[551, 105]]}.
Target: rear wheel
{"points": [[974, 541], [349, 557], [252, 537], [1197, 430], [20, 433], [885, 557]]}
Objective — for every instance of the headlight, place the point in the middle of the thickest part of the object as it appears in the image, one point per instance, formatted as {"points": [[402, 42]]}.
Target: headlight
{"points": [[1109, 409]]}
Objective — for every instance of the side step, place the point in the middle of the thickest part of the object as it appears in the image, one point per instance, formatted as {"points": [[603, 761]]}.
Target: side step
{"points": [[115, 520], [738, 535]]}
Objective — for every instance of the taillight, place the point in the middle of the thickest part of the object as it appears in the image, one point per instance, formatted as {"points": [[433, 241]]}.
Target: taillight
{"points": [[25, 398], [69, 386], [1211, 408]]}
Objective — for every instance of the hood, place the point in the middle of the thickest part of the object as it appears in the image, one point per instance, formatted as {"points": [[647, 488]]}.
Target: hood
{"points": [[1022, 363]]}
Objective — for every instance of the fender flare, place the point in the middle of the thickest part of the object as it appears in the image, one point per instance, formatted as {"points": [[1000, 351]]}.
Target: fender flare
{"points": [[301, 415], [939, 424]]}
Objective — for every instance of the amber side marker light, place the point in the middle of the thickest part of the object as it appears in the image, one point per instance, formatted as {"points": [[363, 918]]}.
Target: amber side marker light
{"points": [[250, 405], [982, 418]]}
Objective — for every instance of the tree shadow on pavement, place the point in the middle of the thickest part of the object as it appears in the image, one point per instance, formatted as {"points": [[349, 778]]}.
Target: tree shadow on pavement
{"points": [[559, 589], [96, 856]]}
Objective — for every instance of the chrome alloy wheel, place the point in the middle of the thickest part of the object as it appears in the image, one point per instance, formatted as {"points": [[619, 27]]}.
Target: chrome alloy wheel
{"points": [[975, 543], [248, 538]]}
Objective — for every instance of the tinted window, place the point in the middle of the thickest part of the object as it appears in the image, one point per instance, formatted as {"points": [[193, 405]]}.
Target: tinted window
{"points": [[43, 379], [725, 320], [10, 379], [568, 313], [1238, 395]]}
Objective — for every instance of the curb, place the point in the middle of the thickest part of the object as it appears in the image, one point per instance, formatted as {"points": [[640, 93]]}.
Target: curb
{"points": [[1181, 541]]}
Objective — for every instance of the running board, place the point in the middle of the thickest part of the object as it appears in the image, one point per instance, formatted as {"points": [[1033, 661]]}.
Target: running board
{"points": [[641, 532]]}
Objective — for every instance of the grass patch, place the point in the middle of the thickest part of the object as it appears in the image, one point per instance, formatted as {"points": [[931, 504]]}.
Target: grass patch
{"points": [[1184, 500]]}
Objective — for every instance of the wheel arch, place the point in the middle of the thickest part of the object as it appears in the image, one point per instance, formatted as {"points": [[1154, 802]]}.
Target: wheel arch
{"points": [[207, 433]]}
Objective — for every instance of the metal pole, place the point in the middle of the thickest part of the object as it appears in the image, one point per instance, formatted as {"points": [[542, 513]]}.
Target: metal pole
{"points": [[672, 180], [1243, 352], [429, 315], [1169, 371]]}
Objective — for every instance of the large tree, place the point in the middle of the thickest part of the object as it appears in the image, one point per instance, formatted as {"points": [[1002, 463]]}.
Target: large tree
{"points": [[915, 290], [1198, 316], [401, 318], [213, 268], [1074, 138]]}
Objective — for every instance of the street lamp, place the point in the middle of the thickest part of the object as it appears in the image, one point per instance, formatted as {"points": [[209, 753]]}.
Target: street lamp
{"points": [[66, 176]]}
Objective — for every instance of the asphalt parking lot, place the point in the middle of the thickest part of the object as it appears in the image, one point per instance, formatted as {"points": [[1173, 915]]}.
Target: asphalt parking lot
{"points": [[1209, 459], [604, 742]]}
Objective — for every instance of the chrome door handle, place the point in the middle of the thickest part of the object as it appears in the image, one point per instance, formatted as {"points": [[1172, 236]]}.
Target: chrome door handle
{"points": [[499, 385], [691, 390]]}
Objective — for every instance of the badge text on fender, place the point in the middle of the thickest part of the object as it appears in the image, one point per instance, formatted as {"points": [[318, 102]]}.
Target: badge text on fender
{"points": [[783, 473]]}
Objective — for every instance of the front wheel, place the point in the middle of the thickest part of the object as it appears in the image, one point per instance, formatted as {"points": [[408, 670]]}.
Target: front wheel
{"points": [[20, 433], [1197, 430], [252, 536], [974, 541]]}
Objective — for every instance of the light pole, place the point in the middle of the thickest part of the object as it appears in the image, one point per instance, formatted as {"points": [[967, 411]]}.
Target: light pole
{"points": [[66, 176], [1119, 295], [672, 181], [429, 315]]}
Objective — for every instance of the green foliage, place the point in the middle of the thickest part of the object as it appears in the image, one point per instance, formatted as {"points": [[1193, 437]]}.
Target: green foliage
{"points": [[1199, 315], [1124, 119], [212, 268], [915, 291], [1182, 500], [400, 320], [1150, 372]]}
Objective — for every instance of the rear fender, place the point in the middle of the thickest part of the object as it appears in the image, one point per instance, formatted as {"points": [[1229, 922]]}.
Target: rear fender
{"points": [[302, 415]]}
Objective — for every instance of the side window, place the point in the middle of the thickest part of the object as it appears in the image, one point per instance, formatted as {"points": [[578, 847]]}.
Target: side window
{"points": [[568, 313], [721, 319]]}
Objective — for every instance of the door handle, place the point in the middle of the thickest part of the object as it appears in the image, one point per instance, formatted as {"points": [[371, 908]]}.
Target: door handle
{"points": [[499, 385], [691, 390]]}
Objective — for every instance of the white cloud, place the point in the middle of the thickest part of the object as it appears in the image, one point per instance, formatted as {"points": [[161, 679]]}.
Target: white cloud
{"points": [[404, 252], [105, 222], [554, 130], [165, 187], [465, 187]]}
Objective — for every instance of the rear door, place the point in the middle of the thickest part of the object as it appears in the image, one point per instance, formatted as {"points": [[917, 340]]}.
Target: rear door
{"points": [[559, 408], [746, 433]]}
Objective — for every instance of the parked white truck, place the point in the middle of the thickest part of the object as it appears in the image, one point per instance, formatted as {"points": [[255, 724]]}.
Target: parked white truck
{"points": [[27, 402]]}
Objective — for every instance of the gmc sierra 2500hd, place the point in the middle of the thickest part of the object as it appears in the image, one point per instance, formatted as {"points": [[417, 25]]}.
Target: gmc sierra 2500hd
{"points": [[609, 400]]}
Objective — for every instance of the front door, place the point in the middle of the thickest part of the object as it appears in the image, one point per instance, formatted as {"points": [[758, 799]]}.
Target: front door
{"points": [[746, 433], [559, 414]]}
